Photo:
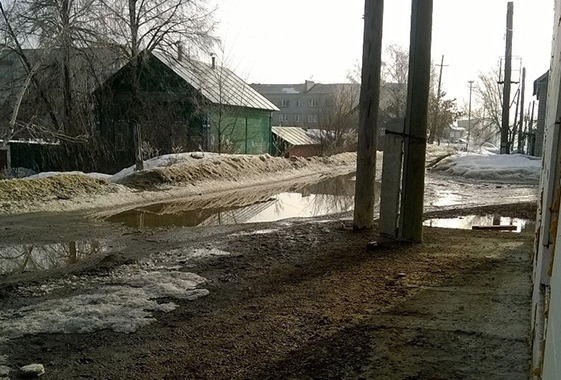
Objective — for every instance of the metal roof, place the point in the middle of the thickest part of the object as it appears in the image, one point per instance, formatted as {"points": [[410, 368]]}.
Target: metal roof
{"points": [[295, 135], [218, 85], [294, 89]]}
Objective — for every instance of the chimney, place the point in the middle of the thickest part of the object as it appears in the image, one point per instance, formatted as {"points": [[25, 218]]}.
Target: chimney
{"points": [[213, 61], [180, 50], [309, 85]]}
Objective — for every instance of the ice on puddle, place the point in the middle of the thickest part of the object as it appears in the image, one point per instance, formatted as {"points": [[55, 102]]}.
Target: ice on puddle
{"points": [[205, 252], [123, 307]]}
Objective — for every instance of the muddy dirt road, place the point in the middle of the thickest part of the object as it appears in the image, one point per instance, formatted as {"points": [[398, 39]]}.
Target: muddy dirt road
{"points": [[289, 299]]}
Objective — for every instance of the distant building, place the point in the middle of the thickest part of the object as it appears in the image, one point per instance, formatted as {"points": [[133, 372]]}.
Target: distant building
{"points": [[537, 135], [456, 133], [480, 131], [301, 105]]}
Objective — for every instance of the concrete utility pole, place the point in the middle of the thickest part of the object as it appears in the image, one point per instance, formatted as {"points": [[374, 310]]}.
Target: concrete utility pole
{"points": [[505, 149], [520, 129], [469, 114], [531, 133], [415, 145], [368, 114]]}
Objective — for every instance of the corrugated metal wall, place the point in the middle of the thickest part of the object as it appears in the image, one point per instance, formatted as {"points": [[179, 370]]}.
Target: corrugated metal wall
{"points": [[240, 130]]}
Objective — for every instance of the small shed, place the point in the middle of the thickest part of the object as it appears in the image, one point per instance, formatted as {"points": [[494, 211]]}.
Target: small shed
{"points": [[294, 141], [456, 133]]}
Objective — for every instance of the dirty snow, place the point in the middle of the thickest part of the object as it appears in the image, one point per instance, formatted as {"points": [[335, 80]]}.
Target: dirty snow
{"points": [[124, 303], [51, 174], [504, 167], [167, 160]]}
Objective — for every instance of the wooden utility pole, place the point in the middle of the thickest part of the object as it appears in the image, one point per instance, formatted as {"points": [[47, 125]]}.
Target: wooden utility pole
{"points": [[437, 111], [505, 149], [368, 114], [521, 128], [415, 144], [469, 114]]}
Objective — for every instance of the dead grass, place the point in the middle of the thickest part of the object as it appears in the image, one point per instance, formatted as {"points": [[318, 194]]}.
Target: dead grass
{"points": [[55, 187]]}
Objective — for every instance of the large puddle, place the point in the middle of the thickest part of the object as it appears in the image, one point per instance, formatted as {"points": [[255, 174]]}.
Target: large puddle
{"points": [[330, 196]]}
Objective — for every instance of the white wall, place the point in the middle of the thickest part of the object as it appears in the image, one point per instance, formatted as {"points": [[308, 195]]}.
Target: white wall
{"points": [[546, 308]]}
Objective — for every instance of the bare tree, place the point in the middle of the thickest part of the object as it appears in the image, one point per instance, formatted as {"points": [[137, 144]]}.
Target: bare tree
{"points": [[489, 94], [338, 119]]}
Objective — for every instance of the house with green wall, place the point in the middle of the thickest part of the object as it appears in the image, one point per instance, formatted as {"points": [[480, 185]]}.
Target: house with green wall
{"points": [[182, 105]]}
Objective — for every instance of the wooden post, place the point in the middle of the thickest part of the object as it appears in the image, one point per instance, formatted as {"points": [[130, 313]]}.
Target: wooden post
{"points": [[391, 178], [505, 148], [531, 133], [368, 114], [415, 146]]}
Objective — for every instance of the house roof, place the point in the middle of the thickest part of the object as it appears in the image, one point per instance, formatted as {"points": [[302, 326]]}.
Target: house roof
{"points": [[294, 89], [219, 85], [294, 135]]}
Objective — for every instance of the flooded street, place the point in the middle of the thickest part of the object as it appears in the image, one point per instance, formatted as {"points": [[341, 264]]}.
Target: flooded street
{"points": [[300, 199], [327, 197], [251, 268]]}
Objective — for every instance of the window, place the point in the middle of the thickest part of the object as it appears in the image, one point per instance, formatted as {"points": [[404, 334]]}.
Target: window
{"points": [[283, 118], [297, 118], [312, 103], [284, 103], [312, 118], [298, 103]]}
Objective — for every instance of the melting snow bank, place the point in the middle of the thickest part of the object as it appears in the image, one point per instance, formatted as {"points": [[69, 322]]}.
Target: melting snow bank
{"points": [[123, 301], [190, 168], [504, 167]]}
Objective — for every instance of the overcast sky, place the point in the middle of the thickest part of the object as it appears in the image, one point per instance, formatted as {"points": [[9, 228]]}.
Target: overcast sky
{"points": [[290, 41]]}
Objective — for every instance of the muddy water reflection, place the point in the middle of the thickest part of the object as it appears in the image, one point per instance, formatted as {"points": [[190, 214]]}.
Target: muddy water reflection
{"points": [[330, 196], [467, 222], [29, 257]]}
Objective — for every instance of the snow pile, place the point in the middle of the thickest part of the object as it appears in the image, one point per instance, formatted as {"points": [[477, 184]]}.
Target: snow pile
{"points": [[124, 305], [505, 167], [192, 168], [51, 174], [488, 148], [166, 160]]}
